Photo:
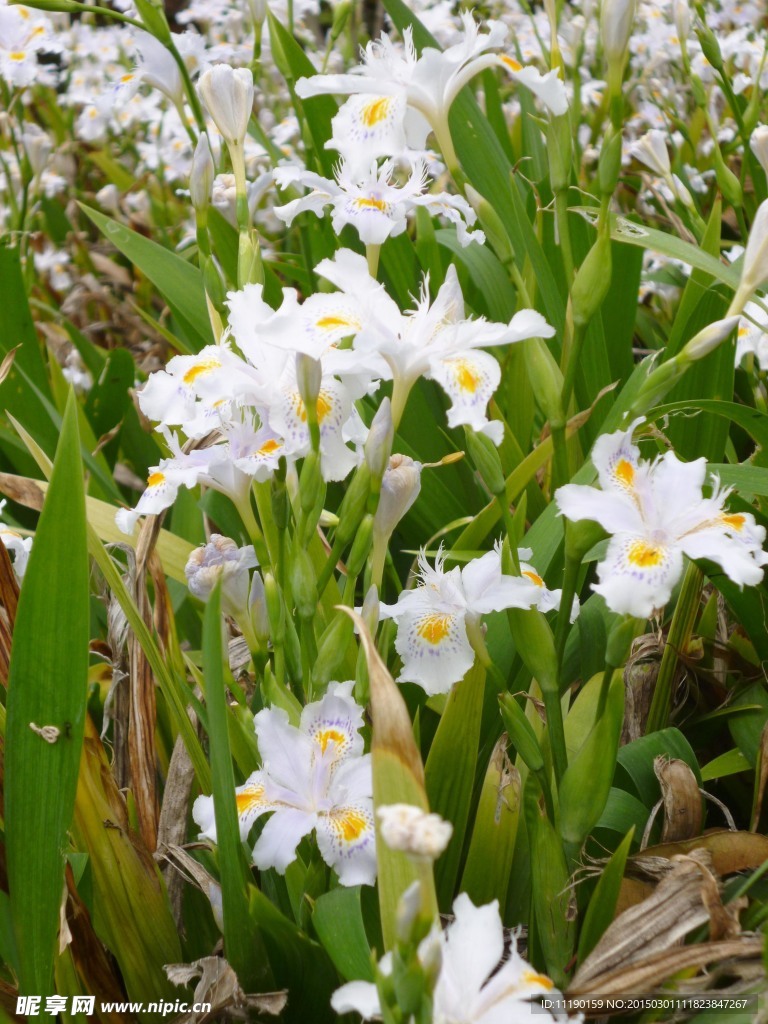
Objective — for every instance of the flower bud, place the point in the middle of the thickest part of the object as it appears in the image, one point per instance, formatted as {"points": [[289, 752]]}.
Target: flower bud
{"points": [[545, 378], [710, 46], [353, 505], [709, 338], [228, 96], [651, 151], [221, 559], [37, 146], [616, 18], [257, 606], [485, 456], [727, 182], [309, 377], [491, 224], [400, 488], [755, 268], [360, 546], [758, 143], [201, 174], [682, 14], [152, 15], [258, 9], [273, 600], [609, 164], [378, 444], [410, 830], [592, 281], [303, 582], [408, 908]]}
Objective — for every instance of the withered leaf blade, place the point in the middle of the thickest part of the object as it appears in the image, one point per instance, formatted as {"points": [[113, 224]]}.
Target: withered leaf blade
{"points": [[218, 985], [681, 799]]}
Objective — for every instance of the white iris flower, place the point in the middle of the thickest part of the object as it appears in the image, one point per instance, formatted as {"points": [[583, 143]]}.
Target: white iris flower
{"points": [[313, 778], [657, 513]]}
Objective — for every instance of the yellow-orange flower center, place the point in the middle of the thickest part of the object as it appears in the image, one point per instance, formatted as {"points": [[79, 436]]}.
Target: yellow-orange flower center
{"points": [[531, 978], [511, 63], [534, 578], [249, 799], [645, 555], [351, 825], [326, 736], [625, 472], [370, 203], [155, 479], [734, 520], [200, 368], [376, 111], [466, 377], [434, 628]]}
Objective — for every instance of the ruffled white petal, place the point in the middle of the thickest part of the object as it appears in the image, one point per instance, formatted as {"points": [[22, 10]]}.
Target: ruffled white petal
{"points": [[276, 846]]}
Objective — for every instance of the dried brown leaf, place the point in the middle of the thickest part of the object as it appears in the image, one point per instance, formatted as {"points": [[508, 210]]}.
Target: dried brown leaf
{"points": [[681, 798], [218, 985]]}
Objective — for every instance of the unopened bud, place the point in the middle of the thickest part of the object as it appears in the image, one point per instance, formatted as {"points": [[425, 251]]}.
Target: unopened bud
{"points": [[609, 164], [616, 18], [709, 338], [400, 488], [201, 174], [485, 456], [755, 268], [309, 377], [378, 444], [682, 13], [559, 151], [258, 9], [221, 560], [275, 608], [591, 284], [257, 606], [651, 150], [758, 143], [710, 46], [152, 15], [491, 224], [545, 378], [303, 582], [727, 182], [408, 909], [360, 546], [228, 97]]}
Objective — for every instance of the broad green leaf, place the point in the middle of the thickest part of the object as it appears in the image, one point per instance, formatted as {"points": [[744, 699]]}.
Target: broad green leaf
{"points": [[47, 688], [730, 763], [338, 921], [180, 284], [635, 762], [587, 781], [623, 230], [296, 962], [241, 940], [746, 728], [489, 860], [555, 931], [28, 370], [450, 772]]}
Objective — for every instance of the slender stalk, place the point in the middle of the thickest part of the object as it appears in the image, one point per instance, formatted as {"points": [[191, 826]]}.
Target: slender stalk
{"points": [[564, 234], [677, 641]]}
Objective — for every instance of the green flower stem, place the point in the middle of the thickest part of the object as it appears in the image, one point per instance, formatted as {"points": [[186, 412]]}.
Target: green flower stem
{"points": [[254, 531], [570, 581], [679, 634], [564, 233]]}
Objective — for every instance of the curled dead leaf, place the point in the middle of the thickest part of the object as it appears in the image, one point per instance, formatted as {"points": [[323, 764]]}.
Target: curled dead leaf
{"points": [[218, 986]]}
